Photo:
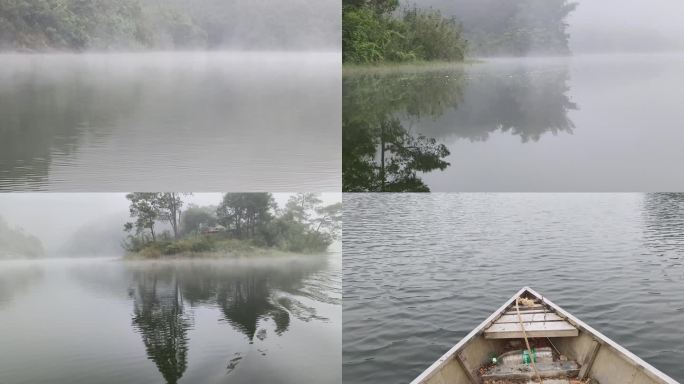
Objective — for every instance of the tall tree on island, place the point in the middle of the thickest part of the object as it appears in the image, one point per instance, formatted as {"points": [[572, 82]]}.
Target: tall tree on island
{"points": [[302, 205], [245, 213], [145, 209], [170, 205]]}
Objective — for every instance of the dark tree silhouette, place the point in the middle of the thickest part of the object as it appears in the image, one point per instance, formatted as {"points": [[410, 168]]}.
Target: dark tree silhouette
{"points": [[379, 154], [160, 319]]}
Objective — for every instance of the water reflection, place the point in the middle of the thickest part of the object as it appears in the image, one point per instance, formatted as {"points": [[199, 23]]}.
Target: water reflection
{"points": [[48, 115], [161, 320], [380, 151], [246, 301], [247, 295], [270, 319], [519, 101], [397, 125], [15, 280], [74, 122]]}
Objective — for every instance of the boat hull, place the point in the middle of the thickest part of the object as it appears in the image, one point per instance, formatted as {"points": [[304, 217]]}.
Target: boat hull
{"points": [[600, 358]]}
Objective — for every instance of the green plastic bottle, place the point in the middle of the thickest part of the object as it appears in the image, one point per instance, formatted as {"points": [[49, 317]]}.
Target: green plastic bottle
{"points": [[526, 356], [493, 358]]}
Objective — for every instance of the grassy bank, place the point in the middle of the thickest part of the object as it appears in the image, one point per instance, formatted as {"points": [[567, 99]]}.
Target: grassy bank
{"points": [[353, 69], [206, 248]]}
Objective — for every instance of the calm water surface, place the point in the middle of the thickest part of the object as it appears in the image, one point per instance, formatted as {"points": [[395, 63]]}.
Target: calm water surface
{"points": [[585, 123], [421, 271], [170, 121], [108, 321]]}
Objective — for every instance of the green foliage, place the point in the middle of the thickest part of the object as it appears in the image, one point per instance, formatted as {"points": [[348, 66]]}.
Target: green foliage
{"points": [[286, 234], [511, 27], [194, 218], [17, 243], [249, 220], [375, 31], [304, 226], [364, 36], [370, 35], [157, 249], [377, 6], [72, 24], [145, 209], [301, 206], [78, 25], [245, 213], [434, 37]]}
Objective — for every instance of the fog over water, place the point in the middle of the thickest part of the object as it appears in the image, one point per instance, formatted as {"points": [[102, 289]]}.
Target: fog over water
{"points": [[123, 95], [240, 121], [68, 321], [66, 222], [83, 314]]}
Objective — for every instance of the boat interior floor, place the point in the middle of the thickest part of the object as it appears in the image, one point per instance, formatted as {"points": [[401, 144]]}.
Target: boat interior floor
{"points": [[513, 364], [546, 381], [550, 370]]}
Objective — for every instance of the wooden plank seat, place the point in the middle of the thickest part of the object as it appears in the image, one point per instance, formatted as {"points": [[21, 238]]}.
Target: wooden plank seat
{"points": [[537, 320]]}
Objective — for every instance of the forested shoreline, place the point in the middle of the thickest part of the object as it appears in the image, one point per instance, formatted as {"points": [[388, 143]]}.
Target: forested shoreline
{"points": [[378, 31], [241, 224], [116, 25], [390, 31]]}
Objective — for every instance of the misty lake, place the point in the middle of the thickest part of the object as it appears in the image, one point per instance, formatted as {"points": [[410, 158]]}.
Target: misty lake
{"points": [[170, 121], [257, 320], [584, 123], [423, 270]]}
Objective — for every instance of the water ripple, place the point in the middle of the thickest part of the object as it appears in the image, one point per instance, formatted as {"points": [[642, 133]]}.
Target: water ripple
{"points": [[421, 271]]}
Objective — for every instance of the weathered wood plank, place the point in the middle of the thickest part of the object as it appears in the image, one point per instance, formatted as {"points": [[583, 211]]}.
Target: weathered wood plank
{"points": [[536, 329], [529, 317], [528, 307], [513, 312], [462, 361], [589, 360]]}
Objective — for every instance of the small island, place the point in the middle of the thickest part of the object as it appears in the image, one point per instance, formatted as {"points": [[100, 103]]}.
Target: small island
{"points": [[240, 225]]}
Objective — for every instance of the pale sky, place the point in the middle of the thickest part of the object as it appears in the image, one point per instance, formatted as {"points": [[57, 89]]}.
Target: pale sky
{"points": [[605, 25], [662, 15]]}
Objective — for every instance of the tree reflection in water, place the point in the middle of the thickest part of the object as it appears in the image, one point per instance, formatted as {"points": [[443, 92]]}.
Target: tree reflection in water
{"points": [[245, 294], [379, 153], [48, 114], [160, 318], [395, 122]]}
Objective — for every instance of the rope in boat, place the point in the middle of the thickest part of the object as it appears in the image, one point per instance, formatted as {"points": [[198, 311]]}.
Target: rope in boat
{"points": [[527, 342], [554, 347]]}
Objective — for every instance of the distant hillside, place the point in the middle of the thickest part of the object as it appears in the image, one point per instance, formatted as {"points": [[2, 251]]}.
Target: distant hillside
{"points": [[98, 238], [79, 25], [15, 243]]}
